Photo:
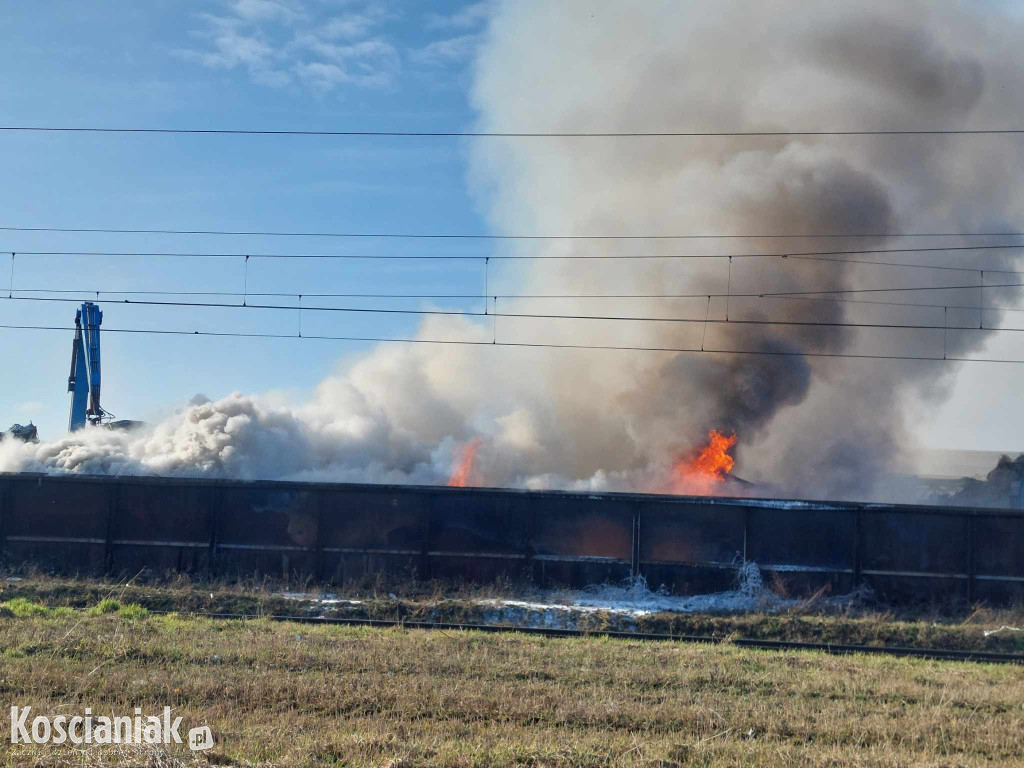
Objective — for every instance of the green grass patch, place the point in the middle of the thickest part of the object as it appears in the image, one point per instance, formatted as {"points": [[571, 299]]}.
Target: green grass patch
{"points": [[23, 608], [133, 611], [107, 605]]}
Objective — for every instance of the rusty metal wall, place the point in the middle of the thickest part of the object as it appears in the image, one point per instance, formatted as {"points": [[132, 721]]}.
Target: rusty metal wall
{"points": [[346, 533]]}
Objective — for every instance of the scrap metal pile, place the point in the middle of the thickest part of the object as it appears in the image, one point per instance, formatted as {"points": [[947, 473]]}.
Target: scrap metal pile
{"points": [[1002, 487], [27, 433]]}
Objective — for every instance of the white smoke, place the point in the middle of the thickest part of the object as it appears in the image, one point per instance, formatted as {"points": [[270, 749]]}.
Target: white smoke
{"points": [[616, 420]]}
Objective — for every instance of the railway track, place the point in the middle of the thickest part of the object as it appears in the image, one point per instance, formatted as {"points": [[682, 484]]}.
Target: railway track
{"points": [[767, 645]]}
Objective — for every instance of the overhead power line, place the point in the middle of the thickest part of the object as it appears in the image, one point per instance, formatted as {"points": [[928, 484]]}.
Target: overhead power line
{"points": [[535, 345], [534, 315], [515, 134], [903, 264], [480, 296], [702, 295], [491, 236], [807, 255]]}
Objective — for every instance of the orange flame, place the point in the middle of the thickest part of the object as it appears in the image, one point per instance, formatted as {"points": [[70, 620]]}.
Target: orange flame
{"points": [[700, 475], [462, 474]]}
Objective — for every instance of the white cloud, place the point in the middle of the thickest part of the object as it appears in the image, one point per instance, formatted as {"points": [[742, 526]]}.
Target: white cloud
{"points": [[230, 48], [238, 49], [368, 63], [266, 10], [356, 25], [466, 18], [279, 42], [458, 47], [449, 51], [272, 77], [374, 48], [350, 26], [215, 22], [322, 76]]}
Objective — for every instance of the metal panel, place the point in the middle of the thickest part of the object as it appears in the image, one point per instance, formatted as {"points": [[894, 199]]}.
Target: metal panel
{"points": [[478, 536], [58, 524], [163, 512], [917, 556], [365, 567], [999, 546], [909, 587], [467, 521], [378, 520], [822, 539], [1000, 591], [58, 507], [360, 532], [914, 542], [688, 548], [267, 530], [577, 542], [680, 532], [369, 532], [682, 579], [575, 526], [576, 572], [161, 527], [6, 509]]}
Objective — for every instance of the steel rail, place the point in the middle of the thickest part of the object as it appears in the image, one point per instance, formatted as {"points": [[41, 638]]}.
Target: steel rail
{"points": [[935, 654]]}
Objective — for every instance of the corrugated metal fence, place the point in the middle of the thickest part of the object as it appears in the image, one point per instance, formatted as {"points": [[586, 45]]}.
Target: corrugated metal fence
{"points": [[339, 533]]}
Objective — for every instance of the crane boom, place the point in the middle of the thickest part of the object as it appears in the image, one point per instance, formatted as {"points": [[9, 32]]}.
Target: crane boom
{"points": [[84, 381]]}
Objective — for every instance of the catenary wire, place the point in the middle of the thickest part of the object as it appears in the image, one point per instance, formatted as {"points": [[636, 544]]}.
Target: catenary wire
{"points": [[698, 295], [536, 345], [528, 257], [481, 296], [526, 315], [514, 134], [492, 236], [902, 264]]}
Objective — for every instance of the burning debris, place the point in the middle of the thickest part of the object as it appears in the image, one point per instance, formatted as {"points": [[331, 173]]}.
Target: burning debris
{"points": [[701, 475], [464, 473]]}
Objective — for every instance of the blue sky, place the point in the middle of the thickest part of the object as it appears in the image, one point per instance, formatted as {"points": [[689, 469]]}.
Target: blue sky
{"points": [[314, 64]]}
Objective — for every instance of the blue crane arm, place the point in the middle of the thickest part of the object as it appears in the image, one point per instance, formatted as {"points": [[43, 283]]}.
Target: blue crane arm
{"points": [[84, 381]]}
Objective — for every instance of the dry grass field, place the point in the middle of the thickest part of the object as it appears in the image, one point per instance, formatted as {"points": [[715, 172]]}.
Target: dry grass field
{"points": [[278, 693]]}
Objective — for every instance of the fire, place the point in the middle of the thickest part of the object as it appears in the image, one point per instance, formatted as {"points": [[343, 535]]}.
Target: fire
{"points": [[700, 475], [463, 474]]}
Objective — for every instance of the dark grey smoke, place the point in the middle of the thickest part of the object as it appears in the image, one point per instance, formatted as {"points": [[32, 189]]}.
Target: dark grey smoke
{"points": [[814, 426]]}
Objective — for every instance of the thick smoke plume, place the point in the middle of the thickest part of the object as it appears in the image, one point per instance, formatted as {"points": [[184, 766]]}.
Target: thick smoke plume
{"points": [[813, 426]]}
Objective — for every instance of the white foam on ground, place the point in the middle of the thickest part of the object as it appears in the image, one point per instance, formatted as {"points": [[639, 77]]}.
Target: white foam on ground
{"points": [[1003, 628], [324, 599], [637, 599], [624, 603], [634, 599]]}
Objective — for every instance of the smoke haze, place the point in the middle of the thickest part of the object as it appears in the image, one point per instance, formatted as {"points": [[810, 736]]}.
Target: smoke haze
{"points": [[596, 419]]}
